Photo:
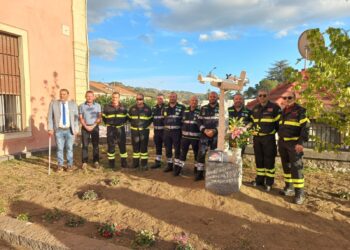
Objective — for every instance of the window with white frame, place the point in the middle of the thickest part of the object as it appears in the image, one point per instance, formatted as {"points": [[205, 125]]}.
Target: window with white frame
{"points": [[10, 84]]}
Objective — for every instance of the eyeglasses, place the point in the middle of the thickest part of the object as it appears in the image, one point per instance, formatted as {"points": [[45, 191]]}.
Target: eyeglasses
{"points": [[264, 95], [287, 97], [139, 99]]}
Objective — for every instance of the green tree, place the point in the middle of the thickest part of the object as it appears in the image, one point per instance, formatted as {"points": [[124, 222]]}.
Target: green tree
{"points": [[328, 79], [250, 93], [276, 72]]}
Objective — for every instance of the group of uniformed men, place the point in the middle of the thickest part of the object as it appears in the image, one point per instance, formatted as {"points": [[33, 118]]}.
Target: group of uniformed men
{"points": [[179, 127]]}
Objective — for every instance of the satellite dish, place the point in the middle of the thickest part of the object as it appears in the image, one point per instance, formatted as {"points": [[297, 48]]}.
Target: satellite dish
{"points": [[304, 45]]}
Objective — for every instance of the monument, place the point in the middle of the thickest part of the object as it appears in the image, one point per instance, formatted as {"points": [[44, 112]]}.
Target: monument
{"points": [[224, 166]]}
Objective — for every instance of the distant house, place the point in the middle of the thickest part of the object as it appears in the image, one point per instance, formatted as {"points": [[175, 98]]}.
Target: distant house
{"points": [[107, 89], [43, 48]]}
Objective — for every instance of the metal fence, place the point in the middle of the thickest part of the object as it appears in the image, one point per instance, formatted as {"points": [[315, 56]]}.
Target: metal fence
{"points": [[325, 137]]}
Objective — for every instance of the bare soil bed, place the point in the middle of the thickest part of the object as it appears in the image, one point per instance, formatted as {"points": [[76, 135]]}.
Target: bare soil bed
{"points": [[168, 205]]}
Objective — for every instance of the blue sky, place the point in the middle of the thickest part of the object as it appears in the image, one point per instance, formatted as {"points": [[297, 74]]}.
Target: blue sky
{"points": [[164, 44]]}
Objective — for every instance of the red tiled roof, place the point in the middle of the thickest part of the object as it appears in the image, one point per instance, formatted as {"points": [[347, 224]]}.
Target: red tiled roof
{"points": [[109, 89], [277, 93]]}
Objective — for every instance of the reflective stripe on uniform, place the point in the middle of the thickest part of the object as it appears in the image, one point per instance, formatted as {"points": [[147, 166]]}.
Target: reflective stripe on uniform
{"points": [[108, 116], [290, 123], [186, 133], [298, 183], [145, 117], [136, 155], [260, 171], [270, 172], [173, 116], [158, 127], [200, 166], [136, 128], [304, 120], [288, 178], [290, 138], [172, 127], [210, 118], [125, 155], [158, 117], [111, 156], [189, 122], [263, 134], [144, 156]]}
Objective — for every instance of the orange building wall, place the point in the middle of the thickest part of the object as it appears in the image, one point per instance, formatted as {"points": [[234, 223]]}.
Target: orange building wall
{"points": [[51, 61]]}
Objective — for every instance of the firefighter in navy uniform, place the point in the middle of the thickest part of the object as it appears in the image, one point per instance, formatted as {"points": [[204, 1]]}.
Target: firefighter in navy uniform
{"points": [[158, 124], [293, 132], [208, 122], [190, 134], [115, 117], [140, 117], [172, 113], [265, 117], [240, 112]]}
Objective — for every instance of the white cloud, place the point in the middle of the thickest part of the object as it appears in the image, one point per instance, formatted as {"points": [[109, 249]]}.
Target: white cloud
{"points": [[338, 24], [282, 33], [183, 42], [144, 4], [215, 36], [100, 10], [275, 15], [189, 51], [103, 48]]}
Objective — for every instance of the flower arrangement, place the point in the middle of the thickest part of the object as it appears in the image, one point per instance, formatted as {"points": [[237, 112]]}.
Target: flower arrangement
{"points": [[182, 243], [144, 238], [238, 134], [108, 230]]}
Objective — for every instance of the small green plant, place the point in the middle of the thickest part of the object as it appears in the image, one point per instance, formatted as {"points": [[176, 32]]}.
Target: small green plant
{"points": [[182, 243], [23, 217], [144, 238], [90, 195], [108, 230], [114, 181], [2, 210], [74, 221], [344, 195], [52, 216]]}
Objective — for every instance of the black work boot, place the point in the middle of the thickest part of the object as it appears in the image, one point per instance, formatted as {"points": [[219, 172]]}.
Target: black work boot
{"points": [[124, 163], [299, 196], [135, 162], [288, 190], [199, 175], [169, 168], [144, 164], [111, 163], [157, 164], [177, 170]]}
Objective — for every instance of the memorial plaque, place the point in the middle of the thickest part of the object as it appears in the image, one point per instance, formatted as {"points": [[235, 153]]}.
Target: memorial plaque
{"points": [[223, 174]]}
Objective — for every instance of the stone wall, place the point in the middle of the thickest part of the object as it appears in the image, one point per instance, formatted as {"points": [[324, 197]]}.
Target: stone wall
{"points": [[330, 161]]}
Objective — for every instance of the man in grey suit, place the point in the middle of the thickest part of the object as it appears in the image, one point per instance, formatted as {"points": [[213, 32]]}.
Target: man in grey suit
{"points": [[63, 120]]}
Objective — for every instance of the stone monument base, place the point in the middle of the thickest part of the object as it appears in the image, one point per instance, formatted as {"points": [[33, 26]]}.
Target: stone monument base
{"points": [[223, 171]]}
